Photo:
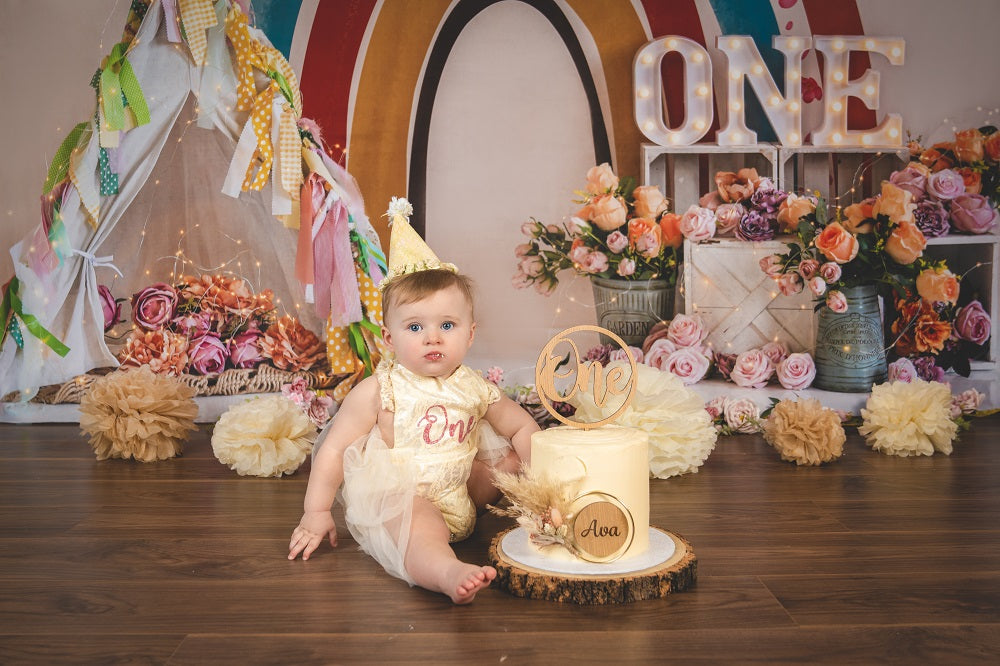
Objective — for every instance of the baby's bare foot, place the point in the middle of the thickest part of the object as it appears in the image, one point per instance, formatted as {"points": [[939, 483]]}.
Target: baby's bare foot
{"points": [[465, 580]]}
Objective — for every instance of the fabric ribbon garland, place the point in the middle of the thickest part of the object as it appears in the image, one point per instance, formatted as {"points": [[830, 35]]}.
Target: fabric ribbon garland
{"points": [[170, 20], [59, 167], [197, 17], [252, 53], [119, 86], [12, 310], [336, 286]]}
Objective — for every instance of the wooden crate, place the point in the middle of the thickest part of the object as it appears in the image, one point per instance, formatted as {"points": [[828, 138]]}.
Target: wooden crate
{"points": [[685, 173], [740, 305], [841, 175]]}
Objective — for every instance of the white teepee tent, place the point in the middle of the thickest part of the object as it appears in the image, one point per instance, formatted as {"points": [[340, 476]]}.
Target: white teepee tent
{"points": [[223, 106]]}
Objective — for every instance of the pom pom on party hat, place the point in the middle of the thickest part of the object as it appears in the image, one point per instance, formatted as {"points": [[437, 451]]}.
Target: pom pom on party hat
{"points": [[408, 253]]}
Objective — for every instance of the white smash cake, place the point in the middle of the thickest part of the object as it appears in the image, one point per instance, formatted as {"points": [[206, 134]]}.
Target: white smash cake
{"points": [[610, 464]]}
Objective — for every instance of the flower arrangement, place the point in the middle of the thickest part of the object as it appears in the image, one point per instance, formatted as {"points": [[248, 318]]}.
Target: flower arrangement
{"points": [[527, 397], [744, 205], [621, 231], [314, 404], [954, 183], [203, 325], [541, 505]]}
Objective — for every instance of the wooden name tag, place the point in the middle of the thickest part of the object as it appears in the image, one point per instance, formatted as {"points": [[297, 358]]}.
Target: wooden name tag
{"points": [[602, 528]]}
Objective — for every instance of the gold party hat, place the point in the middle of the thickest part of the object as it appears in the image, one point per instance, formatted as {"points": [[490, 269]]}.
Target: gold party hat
{"points": [[408, 253]]}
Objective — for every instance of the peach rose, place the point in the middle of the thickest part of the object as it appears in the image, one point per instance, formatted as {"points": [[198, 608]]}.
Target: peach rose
{"points": [[906, 243], [670, 228], [939, 285], [607, 212], [895, 203], [736, 187], [649, 201], [859, 216], [992, 146], [837, 243], [934, 159], [973, 180], [640, 226], [601, 179], [792, 209], [969, 145]]}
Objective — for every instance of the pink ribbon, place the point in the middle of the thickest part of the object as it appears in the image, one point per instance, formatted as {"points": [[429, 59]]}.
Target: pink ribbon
{"points": [[170, 19], [336, 286]]}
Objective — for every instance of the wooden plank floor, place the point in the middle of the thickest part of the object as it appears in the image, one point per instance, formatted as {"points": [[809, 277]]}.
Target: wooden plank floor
{"points": [[871, 559]]}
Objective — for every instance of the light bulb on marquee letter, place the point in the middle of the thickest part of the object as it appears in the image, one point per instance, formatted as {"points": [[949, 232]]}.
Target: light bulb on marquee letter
{"points": [[648, 91], [784, 112], [836, 90]]}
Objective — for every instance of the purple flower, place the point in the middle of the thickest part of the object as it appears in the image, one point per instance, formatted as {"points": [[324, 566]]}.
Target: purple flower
{"points": [[973, 323], [912, 180], [193, 324], [927, 370], [902, 370], [154, 306], [973, 213], [754, 226], [112, 308], [208, 355], [768, 199], [931, 218], [599, 353], [244, 348]]}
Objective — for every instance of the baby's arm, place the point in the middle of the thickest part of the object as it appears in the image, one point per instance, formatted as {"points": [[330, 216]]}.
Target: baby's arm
{"points": [[355, 418], [510, 420]]}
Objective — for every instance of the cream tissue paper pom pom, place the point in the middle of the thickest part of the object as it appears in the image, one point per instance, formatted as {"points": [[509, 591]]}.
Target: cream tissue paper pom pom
{"points": [[139, 414], [909, 419], [681, 434], [266, 436]]}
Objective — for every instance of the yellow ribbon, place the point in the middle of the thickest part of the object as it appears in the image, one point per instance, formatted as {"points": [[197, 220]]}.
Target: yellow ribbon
{"points": [[264, 154], [250, 54], [291, 153], [197, 16]]}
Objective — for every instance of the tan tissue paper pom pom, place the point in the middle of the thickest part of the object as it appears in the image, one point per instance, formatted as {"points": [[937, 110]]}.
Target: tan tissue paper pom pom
{"points": [[266, 436], [805, 432], [138, 414]]}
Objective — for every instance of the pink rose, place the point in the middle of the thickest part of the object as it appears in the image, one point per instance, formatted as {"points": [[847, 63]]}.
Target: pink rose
{"points": [[626, 267], [830, 272], [319, 410], [578, 253], [576, 226], [836, 301], [686, 330], [711, 201], [617, 242], [771, 265], [689, 364], [531, 228], [913, 180], [154, 306], [521, 250], [742, 416], [973, 323], [808, 268], [698, 224], [966, 402], [298, 392], [902, 370], [207, 355], [532, 266], [595, 262], [648, 244], [752, 369], [776, 351], [244, 348], [716, 406], [796, 372], [112, 308], [724, 364], [620, 355], [945, 184], [817, 286], [658, 353], [789, 283], [727, 216], [973, 213]]}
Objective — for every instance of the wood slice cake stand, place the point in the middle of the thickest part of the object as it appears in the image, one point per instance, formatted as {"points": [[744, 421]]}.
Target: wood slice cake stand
{"points": [[675, 573]]}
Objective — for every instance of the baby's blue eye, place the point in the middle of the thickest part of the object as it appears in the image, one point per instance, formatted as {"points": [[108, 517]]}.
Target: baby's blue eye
{"points": [[447, 326], [414, 328]]}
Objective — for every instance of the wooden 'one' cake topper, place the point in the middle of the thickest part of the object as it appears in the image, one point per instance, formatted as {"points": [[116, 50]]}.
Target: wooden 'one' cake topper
{"points": [[582, 375]]}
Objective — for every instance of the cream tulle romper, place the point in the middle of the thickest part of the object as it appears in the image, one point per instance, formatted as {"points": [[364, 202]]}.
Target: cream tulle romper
{"points": [[438, 430]]}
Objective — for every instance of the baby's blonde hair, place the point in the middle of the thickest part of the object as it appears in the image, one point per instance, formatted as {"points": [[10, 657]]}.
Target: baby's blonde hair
{"points": [[421, 284]]}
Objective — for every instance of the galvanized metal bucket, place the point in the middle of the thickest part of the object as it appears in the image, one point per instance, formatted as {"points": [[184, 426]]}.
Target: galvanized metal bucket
{"points": [[850, 346], [629, 308]]}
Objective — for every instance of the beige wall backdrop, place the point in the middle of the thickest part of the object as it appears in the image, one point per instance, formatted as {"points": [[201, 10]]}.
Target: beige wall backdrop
{"points": [[509, 136]]}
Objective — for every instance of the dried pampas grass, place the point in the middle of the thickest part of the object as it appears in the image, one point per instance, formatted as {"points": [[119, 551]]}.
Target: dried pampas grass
{"points": [[138, 414]]}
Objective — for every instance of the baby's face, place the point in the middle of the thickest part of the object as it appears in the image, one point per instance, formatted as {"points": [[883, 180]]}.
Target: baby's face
{"points": [[431, 336]]}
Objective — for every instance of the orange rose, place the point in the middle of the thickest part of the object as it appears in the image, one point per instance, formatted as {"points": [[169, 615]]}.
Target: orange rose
{"points": [[607, 212], [601, 179], [859, 216], [736, 187], [936, 286], [992, 146], [895, 203], [837, 243], [792, 209], [649, 201], [670, 226], [969, 145], [638, 226], [934, 159], [906, 243], [973, 180]]}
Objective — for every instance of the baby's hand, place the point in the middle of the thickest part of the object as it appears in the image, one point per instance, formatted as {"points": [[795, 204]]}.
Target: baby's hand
{"points": [[307, 536]]}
